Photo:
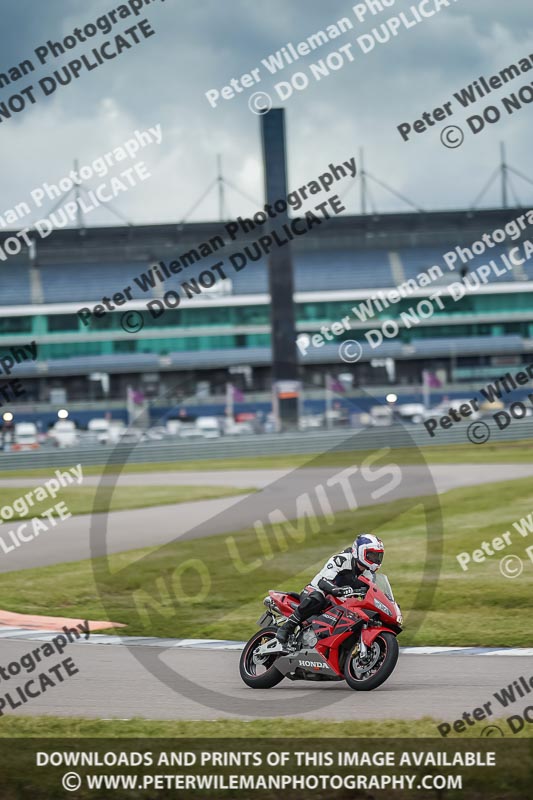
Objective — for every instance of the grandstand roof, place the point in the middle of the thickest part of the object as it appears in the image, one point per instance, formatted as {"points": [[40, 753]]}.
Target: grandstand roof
{"points": [[149, 242], [350, 253]]}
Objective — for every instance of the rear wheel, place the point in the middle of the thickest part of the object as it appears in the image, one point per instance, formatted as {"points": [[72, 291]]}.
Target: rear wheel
{"points": [[256, 671], [364, 674]]}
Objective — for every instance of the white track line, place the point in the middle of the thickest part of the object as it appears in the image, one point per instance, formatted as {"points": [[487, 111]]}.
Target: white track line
{"points": [[19, 634]]}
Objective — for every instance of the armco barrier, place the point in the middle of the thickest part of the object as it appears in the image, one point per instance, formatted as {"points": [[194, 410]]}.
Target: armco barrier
{"points": [[260, 445]]}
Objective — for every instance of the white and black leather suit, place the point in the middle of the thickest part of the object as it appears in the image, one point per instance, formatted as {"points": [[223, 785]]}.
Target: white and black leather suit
{"points": [[340, 571]]}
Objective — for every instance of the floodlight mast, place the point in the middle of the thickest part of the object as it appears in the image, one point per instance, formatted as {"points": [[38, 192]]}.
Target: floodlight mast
{"points": [[286, 390]]}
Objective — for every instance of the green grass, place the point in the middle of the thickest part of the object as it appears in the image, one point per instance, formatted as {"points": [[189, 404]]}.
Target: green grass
{"points": [[35, 727], [506, 453], [91, 499], [214, 587]]}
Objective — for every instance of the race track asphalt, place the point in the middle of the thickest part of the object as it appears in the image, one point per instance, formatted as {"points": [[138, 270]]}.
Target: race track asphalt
{"points": [[113, 683], [86, 536]]}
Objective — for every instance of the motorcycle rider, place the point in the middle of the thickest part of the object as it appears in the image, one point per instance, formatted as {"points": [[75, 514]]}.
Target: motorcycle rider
{"points": [[339, 577]]}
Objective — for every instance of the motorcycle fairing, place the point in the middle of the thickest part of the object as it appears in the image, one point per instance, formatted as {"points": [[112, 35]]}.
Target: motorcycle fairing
{"points": [[335, 620], [286, 602], [307, 661], [368, 635]]}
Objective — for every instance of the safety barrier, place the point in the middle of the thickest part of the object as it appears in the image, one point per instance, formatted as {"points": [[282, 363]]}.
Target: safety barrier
{"points": [[345, 439]]}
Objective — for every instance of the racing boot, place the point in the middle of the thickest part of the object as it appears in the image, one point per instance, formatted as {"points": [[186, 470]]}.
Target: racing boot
{"points": [[287, 630]]}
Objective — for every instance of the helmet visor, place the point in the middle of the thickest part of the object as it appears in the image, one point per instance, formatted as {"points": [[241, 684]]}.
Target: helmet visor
{"points": [[375, 556]]}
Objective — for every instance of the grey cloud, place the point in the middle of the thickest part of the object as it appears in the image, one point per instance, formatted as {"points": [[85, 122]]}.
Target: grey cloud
{"points": [[201, 46]]}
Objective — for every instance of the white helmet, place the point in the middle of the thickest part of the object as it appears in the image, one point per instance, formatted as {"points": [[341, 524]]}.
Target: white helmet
{"points": [[368, 551]]}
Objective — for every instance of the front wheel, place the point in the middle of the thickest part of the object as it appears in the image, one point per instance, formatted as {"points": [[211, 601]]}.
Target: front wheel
{"points": [[259, 673], [370, 672]]}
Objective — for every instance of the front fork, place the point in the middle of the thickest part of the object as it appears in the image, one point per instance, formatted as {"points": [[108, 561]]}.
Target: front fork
{"points": [[360, 648]]}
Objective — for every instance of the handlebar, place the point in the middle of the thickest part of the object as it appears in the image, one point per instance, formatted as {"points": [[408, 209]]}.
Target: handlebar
{"points": [[354, 593]]}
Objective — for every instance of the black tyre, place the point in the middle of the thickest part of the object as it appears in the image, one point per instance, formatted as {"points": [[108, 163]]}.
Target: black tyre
{"points": [[263, 675], [365, 675]]}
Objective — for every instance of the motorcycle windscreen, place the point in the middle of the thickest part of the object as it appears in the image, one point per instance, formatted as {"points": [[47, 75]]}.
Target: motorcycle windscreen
{"points": [[382, 582]]}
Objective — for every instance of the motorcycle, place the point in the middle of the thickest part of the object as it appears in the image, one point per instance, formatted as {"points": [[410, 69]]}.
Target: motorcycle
{"points": [[353, 639]]}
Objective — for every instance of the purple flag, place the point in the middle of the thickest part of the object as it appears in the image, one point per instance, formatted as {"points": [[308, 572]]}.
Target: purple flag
{"points": [[334, 385], [431, 380], [135, 397], [238, 396]]}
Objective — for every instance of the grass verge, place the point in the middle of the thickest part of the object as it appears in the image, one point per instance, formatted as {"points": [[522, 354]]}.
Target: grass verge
{"points": [[91, 499], [48, 726], [505, 453]]}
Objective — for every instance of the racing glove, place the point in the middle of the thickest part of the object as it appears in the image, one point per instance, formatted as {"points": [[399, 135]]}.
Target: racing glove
{"points": [[330, 588], [342, 591]]}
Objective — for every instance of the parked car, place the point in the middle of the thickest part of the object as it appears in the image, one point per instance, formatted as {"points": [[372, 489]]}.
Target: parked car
{"points": [[188, 430], [106, 431], [209, 427], [232, 428], [130, 435], [381, 416], [154, 435], [308, 421], [412, 412], [26, 437], [443, 409]]}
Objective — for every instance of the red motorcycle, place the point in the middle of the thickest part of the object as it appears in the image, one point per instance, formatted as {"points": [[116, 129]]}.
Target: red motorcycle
{"points": [[353, 639]]}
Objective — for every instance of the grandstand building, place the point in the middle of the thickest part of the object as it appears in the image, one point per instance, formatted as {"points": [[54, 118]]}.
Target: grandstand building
{"points": [[347, 263]]}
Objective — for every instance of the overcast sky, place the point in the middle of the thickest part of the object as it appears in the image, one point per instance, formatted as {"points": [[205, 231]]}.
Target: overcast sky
{"points": [[202, 45]]}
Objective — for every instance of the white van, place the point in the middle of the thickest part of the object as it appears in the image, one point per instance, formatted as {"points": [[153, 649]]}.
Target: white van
{"points": [[412, 412], [106, 431], [381, 416], [208, 427], [26, 437]]}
